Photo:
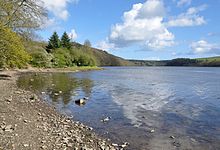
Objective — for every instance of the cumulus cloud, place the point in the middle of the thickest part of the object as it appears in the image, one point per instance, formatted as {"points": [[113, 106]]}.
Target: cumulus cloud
{"points": [[183, 2], [143, 24], [105, 45], [203, 46], [72, 35], [148, 24], [58, 7], [189, 18]]}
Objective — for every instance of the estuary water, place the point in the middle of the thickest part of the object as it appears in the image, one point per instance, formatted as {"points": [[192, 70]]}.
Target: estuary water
{"points": [[155, 108]]}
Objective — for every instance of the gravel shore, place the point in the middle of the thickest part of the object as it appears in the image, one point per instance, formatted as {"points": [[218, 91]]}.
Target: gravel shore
{"points": [[26, 122]]}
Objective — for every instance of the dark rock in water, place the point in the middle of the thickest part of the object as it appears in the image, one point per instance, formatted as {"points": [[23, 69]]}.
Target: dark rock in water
{"points": [[80, 102]]}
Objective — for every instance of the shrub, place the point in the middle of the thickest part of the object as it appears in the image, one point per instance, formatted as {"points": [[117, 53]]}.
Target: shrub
{"points": [[12, 51]]}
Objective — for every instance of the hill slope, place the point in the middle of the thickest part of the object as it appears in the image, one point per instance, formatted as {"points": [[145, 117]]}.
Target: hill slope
{"points": [[200, 62], [101, 57]]}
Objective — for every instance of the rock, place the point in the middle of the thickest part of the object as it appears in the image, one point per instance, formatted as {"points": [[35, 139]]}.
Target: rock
{"points": [[192, 139], [8, 128], [172, 137], [60, 92], [86, 98], [105, 119], [124, 145], [43, 141], [25, 145], [176, 144], [43, 147], [115, 145], [56, 94], [9, 99], [80, 101], [152, 131], [25, 121]]}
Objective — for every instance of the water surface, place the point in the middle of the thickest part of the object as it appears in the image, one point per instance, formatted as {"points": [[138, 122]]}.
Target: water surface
{"points": [[181, 102]]}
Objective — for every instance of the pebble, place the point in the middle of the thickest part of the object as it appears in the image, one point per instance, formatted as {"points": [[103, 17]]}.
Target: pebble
{"points": [[25, 145], [113, 144], [172, 137], [43, 147], [152, 131]]}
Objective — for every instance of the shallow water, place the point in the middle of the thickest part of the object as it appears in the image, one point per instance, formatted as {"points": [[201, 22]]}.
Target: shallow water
{"points": [[182, 102]]}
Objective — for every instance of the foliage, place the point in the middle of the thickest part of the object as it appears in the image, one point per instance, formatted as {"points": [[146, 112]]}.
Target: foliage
{"points": [[182, 62], [22, 15], [12, 51], [62, 58], [41, 59], [87, 43], [65, 41], [54, 42]]}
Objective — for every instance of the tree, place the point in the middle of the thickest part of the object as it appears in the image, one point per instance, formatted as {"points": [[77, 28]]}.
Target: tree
{"points": [[22, 15], [53, 43], [87, 43], [12, 51], [65, 41]]}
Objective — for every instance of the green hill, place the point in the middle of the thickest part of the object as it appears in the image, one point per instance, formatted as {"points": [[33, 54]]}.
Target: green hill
{"points": [[200, 62], [41, 58]]}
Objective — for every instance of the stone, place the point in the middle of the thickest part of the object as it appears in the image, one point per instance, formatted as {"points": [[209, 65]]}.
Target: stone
{"points": [[80, 101], [115, 145], [9, 99], [8, 128], [172, 137], [56, 94], [152, 131], [176, 144], [43, 147], [25, 145], [106, 119]]}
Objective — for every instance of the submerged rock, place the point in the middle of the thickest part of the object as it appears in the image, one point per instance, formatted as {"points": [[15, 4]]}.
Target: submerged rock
{"points": [[105, 119], [80, 102]]}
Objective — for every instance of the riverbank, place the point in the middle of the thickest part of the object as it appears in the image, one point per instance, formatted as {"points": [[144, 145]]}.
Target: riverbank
{"points": [[26, 122]]}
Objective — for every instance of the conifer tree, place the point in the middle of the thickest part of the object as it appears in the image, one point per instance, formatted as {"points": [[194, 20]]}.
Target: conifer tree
{"points": [[54, 42], [65, 41]]}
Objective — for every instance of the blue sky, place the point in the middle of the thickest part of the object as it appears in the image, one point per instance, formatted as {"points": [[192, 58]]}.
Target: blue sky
{"points": [[139, 29]]}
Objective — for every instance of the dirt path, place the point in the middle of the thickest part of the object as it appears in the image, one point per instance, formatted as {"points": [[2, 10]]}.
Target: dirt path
{"points": [[30, 124]]}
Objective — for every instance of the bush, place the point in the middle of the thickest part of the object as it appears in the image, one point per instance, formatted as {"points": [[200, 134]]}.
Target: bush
{"points": [[41, 59], [62, 58], [12, 51]]}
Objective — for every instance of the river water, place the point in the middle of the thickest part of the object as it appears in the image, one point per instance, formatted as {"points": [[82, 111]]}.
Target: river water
{"points": [[155, 108]]}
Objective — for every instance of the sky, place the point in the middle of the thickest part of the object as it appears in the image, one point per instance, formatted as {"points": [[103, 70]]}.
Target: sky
{"points": [[139, 29]]}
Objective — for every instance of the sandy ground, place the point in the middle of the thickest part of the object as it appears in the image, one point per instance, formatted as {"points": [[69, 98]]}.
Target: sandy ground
{"points": [[28, 123]]}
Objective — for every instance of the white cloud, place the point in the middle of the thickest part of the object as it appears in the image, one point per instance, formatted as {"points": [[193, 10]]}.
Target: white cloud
{"points": [[143, 24], [189, 18], [203, 46], [72, 35], [183, 2], [58, 7], [104, 45]]}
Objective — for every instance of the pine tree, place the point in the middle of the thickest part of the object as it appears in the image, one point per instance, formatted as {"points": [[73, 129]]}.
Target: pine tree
{"points": [[54, 42], [65, 41]]}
